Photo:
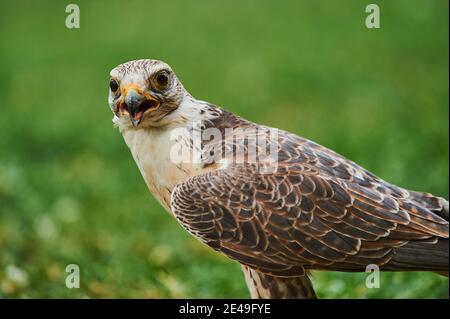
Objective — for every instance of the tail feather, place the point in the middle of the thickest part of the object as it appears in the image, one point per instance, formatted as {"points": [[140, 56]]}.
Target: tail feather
{"points": [[421, 256]]}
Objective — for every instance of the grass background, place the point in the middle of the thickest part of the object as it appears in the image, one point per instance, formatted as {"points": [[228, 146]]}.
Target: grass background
{"points": [[71, 193]]}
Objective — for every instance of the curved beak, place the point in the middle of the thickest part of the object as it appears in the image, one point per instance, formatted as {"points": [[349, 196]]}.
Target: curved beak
{"points": [[137, 103]]}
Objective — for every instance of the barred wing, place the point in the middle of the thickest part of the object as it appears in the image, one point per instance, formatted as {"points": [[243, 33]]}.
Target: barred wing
{"points": [[317, 211]]}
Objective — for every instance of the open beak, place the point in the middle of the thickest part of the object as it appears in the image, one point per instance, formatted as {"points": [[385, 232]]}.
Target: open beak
{"points": [[136, 103]]}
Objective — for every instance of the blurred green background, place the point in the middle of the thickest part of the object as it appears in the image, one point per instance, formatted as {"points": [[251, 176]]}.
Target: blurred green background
{"points": [[71, 193]]}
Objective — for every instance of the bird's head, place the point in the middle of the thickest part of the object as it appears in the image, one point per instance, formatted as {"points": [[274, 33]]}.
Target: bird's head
{"points": [[143, 92]]}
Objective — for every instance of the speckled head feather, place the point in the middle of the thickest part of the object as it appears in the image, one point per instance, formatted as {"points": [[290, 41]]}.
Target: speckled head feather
{"points": [[138, 79]]}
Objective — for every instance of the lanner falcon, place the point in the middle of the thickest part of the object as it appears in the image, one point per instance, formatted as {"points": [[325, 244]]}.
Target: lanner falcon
{"points": [[310, 209]]}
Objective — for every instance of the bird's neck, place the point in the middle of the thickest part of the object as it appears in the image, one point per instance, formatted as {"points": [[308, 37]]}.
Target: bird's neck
{"points": [[156, 150]]}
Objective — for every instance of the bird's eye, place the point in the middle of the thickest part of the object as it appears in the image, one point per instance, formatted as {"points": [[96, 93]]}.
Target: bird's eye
{"points": [[113, 85], [161, 79]]}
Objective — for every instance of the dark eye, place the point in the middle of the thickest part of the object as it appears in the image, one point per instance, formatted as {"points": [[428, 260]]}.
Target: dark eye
{"points": [[162, 79], [113, 85]]}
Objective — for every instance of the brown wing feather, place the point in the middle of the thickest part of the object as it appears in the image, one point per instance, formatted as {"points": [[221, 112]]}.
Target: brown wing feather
{"points": [[317, 211]]}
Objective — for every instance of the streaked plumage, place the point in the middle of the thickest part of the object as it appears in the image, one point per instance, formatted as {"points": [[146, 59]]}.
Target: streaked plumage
{"points": [[317, 210]]}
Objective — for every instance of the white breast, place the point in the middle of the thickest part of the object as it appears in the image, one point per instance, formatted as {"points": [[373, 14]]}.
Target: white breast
{"points": [[151, 151]]}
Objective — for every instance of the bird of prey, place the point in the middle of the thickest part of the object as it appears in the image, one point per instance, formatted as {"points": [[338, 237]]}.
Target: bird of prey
{"points": [[311, 209]]}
